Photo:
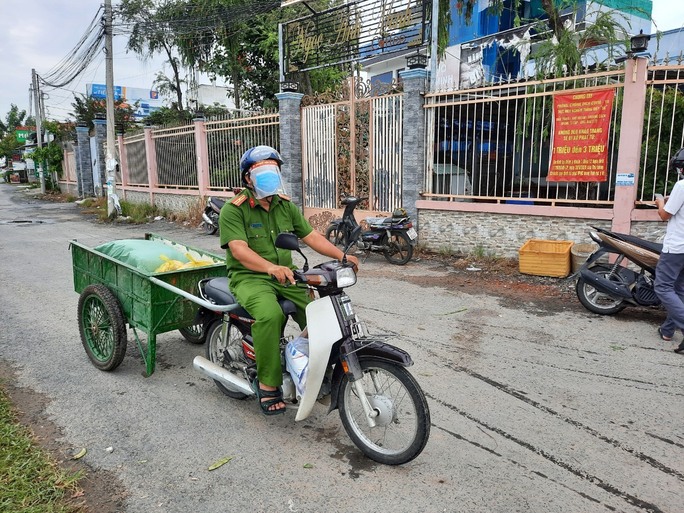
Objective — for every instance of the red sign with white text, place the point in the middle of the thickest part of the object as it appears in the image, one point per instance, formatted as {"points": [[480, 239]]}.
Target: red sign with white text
{"points": [[581, 124]]}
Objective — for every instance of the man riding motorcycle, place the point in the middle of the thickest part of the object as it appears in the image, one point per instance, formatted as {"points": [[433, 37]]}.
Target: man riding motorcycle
{"points": [[260, 273]]}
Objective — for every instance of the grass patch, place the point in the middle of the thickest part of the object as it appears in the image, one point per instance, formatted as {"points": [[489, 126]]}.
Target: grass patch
{"points": [[30, 481], [140, 213]]}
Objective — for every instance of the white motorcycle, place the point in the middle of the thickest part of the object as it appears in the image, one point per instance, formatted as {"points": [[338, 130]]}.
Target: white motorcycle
{"points": [[382, 407]]}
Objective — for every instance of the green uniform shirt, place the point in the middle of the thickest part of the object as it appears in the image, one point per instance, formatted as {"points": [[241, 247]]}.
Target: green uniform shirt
{"points": [[243, 218]]}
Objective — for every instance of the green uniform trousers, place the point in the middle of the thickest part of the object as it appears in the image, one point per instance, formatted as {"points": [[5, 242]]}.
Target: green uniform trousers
{"points": [[259, 296]]}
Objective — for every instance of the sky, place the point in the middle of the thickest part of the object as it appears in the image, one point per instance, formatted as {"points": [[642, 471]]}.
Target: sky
{"points": [[40, 33]]}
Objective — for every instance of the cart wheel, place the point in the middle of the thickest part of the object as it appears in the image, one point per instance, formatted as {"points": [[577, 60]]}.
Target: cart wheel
{"points": [[194, 334], [102, 326]]}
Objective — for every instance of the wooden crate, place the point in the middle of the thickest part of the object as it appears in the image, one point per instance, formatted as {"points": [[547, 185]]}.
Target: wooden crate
{"points": [[545, 257]]}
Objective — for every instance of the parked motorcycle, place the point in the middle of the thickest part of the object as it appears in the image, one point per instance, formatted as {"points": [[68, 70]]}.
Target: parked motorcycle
{"points": [[605, 288], [382, 407], [210, 216], [393, 236]]}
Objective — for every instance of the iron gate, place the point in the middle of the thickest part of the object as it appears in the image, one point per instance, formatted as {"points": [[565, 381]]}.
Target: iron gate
{"points": [[353, 147]]}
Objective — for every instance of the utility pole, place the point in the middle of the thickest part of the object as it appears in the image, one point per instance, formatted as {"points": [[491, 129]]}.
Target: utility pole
{"points": [[39, 126], [111, 160]]}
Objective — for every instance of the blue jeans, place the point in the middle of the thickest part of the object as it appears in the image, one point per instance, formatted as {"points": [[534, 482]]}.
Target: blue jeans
{"points": [[669, 287]]}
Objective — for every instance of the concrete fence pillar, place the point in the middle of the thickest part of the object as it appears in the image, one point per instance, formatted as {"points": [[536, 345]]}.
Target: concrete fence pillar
{"points": [[84, 165], [413, 136], [151, 157], [629, 148], [123, 163], [202, 155], [100, 140], [291, 144], [77, 174]]}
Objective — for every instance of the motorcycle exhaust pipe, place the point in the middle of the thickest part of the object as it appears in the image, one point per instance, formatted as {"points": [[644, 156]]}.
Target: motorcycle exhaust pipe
{"points": [[221, 375], [605, 285], [207, 219]]}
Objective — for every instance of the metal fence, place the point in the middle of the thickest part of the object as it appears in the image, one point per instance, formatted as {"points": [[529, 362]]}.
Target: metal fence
{"points": [[319, 156], [353, 147], [136, 158], [663, 129], [227, 139], [494, 142], [176, 156]]}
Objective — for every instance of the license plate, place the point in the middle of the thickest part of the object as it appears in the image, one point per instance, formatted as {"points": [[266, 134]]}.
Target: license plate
{"points": [[411, 233]]}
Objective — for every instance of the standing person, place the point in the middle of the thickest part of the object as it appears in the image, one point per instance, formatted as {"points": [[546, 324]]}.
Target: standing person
{"points": [[669, 282], [260, 273]]}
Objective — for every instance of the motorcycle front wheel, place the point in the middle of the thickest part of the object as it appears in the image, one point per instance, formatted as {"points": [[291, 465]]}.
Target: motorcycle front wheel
{"points": [[403, 421], [223, 352], [398, 249], [597, 301], [336, 236]]}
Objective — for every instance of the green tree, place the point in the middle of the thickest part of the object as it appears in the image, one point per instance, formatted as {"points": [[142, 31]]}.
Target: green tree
{"points": [[8, 145], [150, 34], [239, 43], [85, 109], [13, 119]]}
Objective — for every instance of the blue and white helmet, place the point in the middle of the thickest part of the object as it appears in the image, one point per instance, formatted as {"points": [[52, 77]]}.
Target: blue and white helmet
{"points": [[257, 154]]}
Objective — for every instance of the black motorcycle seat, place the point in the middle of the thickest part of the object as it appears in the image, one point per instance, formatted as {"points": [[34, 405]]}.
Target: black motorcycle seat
{"points": [[218, 291]]}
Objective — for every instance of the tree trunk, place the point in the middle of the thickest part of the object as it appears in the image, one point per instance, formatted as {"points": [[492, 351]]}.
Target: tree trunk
{"points": [[554, 17], [236, 89], [176, 78]]}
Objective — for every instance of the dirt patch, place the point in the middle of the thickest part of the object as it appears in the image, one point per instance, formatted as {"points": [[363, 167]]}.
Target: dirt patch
{"points": [[102, 492], [497, 277], [501, 278]]}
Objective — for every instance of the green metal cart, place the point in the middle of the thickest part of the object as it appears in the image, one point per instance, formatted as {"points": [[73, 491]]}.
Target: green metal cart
{"points": [[113, 294]]}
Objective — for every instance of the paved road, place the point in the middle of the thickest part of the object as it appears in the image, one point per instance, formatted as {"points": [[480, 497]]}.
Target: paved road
{"points": [[532, 410]]}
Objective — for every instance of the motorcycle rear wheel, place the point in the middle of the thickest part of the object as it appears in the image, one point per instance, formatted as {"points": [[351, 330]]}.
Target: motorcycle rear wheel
{"points": [[210, 229], [597, 301], [336, 236], [218, 351], [194, 334], [403, 421], [398, 249]]}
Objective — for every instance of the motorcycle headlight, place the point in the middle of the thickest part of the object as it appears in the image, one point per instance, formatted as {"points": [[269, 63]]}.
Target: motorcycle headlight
{"points": [[346, 277]]}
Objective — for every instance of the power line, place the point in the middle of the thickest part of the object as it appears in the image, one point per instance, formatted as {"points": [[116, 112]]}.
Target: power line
{"points": [[78, 60]]}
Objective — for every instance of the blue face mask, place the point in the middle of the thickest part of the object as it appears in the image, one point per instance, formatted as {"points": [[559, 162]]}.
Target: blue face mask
{"points": [[267, 182]]}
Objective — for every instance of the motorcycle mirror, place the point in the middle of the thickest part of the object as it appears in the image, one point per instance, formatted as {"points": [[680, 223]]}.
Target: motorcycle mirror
{"points": [[291, 242], [353, 237]]}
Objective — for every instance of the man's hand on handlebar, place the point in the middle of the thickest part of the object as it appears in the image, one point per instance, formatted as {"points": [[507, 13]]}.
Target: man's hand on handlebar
{"points": [[282, 273], [354, 260]]}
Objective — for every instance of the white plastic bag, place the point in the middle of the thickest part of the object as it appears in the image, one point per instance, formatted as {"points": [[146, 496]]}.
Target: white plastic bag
{"points": [[297, 360]]}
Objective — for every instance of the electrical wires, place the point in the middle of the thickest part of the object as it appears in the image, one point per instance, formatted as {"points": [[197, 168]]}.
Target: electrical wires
{"points": [[197, 20], [84, 53]]}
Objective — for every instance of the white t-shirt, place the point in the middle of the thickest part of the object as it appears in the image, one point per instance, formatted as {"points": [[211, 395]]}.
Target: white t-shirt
{"points": [[674, 235]]}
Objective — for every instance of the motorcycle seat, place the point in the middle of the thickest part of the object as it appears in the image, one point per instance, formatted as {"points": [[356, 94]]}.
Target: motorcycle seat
{"points": [[378, 221], [655, 247], [217, 290]]}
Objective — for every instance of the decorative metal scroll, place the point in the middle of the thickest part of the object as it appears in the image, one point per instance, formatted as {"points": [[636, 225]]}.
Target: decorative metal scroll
{"points": [[355, 31], [362, 89]]}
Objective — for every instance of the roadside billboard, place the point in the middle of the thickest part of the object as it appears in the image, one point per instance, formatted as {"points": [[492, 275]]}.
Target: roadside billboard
{"points": [[147, 100]]}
